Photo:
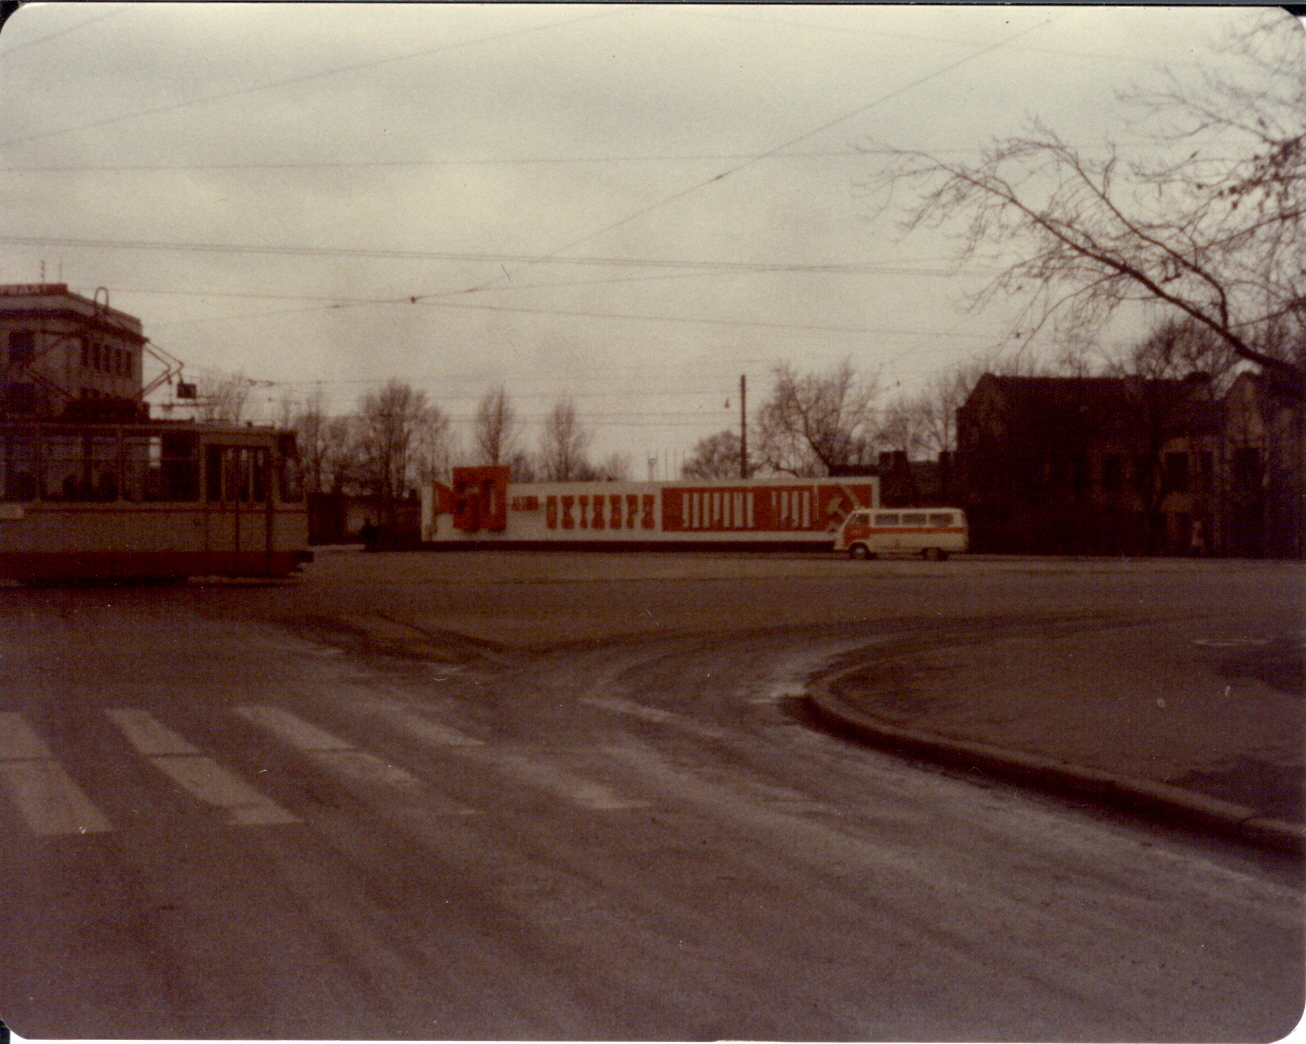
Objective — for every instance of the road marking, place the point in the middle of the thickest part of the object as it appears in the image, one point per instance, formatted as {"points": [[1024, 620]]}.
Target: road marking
{"points": [[17, 740], [293, 729], [343, 759], [205, 779], [572, 788], [659, 717], [199, 775], [424, 728], [149, 736], [559, 781], [45, 795], [49, 800]]}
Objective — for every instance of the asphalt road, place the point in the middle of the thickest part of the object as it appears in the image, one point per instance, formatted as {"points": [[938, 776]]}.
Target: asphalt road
{"points": [[545, 797]]}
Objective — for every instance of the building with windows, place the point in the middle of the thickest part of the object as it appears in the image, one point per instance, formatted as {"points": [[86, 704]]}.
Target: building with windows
{"points": [[63, 355], [1098, 465]]}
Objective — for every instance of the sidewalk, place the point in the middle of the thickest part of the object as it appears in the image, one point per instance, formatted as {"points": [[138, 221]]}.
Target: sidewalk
{"points": [[1200, 720]]}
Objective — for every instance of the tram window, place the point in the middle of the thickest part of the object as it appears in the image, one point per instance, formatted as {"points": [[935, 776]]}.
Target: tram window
{"points": [[79, 466], [292, 481], [18, 468], [258, 474], [236, 474], [139, 452], [161, 467], [62, 471]]}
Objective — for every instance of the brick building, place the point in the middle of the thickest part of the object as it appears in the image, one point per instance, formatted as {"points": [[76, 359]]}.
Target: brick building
{"points": [[1099, 465]]}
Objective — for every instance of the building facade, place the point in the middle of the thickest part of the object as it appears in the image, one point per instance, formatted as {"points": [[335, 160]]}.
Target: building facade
{"points": [[1130, 466], [63, 355]]}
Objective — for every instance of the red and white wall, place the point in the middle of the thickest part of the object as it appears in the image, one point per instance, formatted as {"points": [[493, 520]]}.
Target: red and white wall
{"points": [[483, 508]]}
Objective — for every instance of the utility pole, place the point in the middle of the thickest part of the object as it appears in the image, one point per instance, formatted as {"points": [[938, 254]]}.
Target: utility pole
{"points": [[743, 426]]}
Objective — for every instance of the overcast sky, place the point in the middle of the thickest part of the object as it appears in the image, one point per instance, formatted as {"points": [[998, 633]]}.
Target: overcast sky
{"points": [[630, 205]]}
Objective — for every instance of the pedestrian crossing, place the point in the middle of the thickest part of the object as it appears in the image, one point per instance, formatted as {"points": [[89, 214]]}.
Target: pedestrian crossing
{"points": [[49, 801]]}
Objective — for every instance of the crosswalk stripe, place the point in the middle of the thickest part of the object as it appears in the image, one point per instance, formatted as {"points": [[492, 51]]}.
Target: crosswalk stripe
{"points": [[533, 773], [617, 705], [573, 788], [197, 774], [294, 730], [342, 759], [148, 735], [424, 728], [17, 740], [205, 779], [44, 794], [49, 800]]}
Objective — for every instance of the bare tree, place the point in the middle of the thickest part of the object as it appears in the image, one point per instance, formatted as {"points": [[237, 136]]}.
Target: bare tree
{"points": [[495, 427], [1177, 348], [1208, 224], [564, 445], [222, 398], [714, 457], [522, 467], [435, 447], [615, 467], [342, 464], [817, 421], [310, 425], [390, 426]]}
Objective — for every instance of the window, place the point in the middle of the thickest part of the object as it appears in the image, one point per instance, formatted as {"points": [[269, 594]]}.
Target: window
{"points": [[1112, 473], [886, 520], [1246, 468], [158, 467], [292, 482], [20, 397], [292, 474], [18, 468], [1176, 473], [236, 474], [80, 467], [22, 347], [1143, 474]]}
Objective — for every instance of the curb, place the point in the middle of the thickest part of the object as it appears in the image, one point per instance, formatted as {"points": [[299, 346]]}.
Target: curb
{"points": [[1034, 770]]}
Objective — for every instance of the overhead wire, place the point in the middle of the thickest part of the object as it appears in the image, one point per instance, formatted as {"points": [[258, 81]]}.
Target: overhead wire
{"points": [[305, 78], [645, 211], [9, 52], [460, 256]]}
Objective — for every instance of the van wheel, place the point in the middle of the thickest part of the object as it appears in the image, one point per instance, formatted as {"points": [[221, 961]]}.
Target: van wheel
{"points": [[860, 552], [934, 554]]}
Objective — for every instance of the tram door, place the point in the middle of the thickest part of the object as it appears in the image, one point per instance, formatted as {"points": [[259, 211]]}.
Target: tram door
{"points": [[239, 514]]}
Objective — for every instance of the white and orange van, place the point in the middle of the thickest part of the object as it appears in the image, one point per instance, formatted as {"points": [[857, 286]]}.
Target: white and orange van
{"points": [[933, 533]]}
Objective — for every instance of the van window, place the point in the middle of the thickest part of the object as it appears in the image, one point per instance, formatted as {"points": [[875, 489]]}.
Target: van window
{"points": [[886, 520], [941, 518], [917, 519]]}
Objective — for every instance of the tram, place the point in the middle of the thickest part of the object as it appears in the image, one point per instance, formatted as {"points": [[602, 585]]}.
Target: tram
{"points": [[482, 508], [156, 500]]}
